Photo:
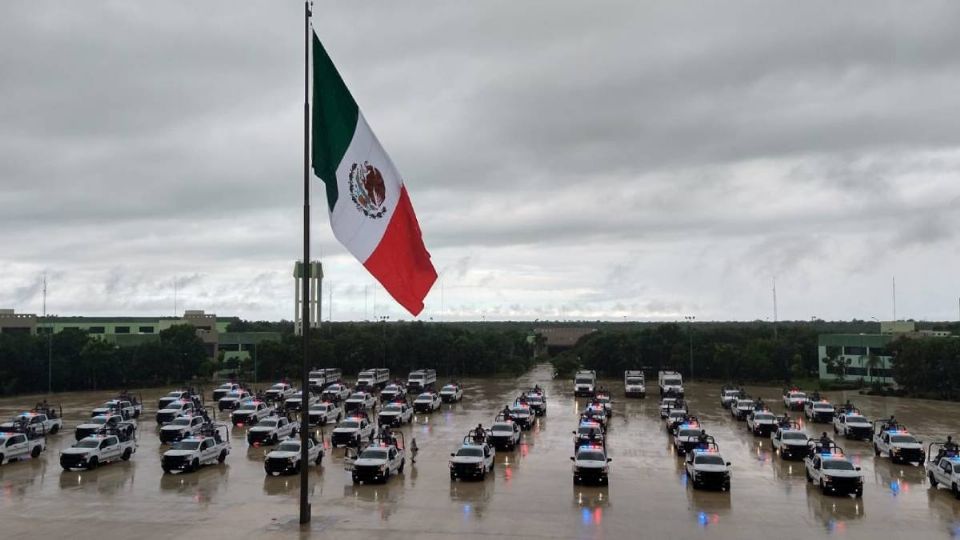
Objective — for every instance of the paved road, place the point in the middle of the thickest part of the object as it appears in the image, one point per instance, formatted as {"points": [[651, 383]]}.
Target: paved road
{"points": [[531, 494]]}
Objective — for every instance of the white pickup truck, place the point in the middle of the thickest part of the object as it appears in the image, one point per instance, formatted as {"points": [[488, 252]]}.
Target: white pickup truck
{"points": [[899, 444], [37, 422], [174, 410], [102, 424], [279, 392], [451, 393], [472, 460], [225, 389], [90, 452], [124, 407], [271, 430], [193, 452], [852, 425], [352, 431], [427, 402], [295, 402], [181, 428], [323, 413], [250, 412], [395, 414], [335, 392], [360, 401], [18, 446], [943, 469], [827, 467], [377, 462], [285, 458]]}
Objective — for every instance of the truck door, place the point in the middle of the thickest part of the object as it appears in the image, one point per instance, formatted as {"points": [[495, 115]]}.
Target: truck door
{"points": [[945, 471], [16, 446]]}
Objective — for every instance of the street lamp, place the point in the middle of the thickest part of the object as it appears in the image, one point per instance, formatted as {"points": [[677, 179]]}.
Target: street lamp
{"points": [[383, 321], [690, 319]]}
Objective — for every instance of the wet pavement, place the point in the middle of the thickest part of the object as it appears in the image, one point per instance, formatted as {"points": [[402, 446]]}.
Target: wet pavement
{"points": [[530, 495]]}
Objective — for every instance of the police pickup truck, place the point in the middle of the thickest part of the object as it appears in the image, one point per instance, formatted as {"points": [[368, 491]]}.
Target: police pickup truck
{"points": [[233, 399], [395, 414], [324, 413], [451, 393], [128, 409], [174, 409], [427, 402], [674, 420], [604, 399], [741, 407], [668, 404], [588, 432], [761, 423], [537, 401], [474, 459], [90, 452], [182, 427], [790, 441], [178, 395], [851, 424], [188, 455], [335, 392], [634, 384], [225, 389], [285, 458], [279, 392], [727, 396], [820, 411], [521, 414], [706, 468], [393, 392], [827, 467], [103, 423], [898, 443], [504, 435], [250, 412], [271, 430], [591, 465], [352, 431], [687, 437], [377, 462], [794, 399], [943, 468], [39, 421], [295, 402], [360, 401], [19, 442]]}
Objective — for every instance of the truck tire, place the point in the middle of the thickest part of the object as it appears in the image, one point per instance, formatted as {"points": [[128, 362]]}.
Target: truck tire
{"points": [[54, 429], [1, 459], [35, 453], [274, 439], [807, 473], [956, 491], [166, 470], [876, 450], [93, 463], [195, 465], [126, 454], [222, 457], [933, 479], [319, 459], [400, 469]]}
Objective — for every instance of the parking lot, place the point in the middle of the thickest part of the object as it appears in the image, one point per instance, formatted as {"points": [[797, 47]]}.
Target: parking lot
{"points": [[530, 495]]}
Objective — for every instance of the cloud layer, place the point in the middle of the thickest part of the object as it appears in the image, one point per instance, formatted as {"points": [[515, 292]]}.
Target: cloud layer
{"points": [[618, 160]]}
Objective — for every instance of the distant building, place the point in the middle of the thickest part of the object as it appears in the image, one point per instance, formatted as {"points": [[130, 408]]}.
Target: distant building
{"points": [[132, 331], [852, 357]]}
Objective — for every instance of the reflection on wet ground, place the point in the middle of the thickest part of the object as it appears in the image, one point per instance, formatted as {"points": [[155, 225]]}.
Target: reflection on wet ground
{"points": [[530, 494]]}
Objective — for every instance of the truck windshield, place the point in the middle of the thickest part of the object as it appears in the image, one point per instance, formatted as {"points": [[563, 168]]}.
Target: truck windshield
{"points": [[584, 381], [267, 423], [415, 376], [449, 388], [745, 404], [374, 453], [672, 382], [186, 445], [425, 397], [248, 407], [764, 417], [838, 465], [393, 408], [278, 386], [689, 433], [88, 443], [634, 382], [857, 420], [289, 447], [794, 436], [902, 439], [361, 397], [98, 420], [470, 451], [181, 422], [349, 424], [707, 459], [590, 455], [502, 428]]}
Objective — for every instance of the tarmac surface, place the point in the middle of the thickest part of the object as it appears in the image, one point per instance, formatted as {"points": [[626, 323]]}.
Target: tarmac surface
{"points": [[530, 494]]}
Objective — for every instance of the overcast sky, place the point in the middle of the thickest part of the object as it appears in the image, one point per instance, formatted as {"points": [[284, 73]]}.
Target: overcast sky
{"points": [[574, 160]]}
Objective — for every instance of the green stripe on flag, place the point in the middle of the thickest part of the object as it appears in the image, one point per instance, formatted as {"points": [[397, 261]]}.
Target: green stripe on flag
{"points": [[334, 120]]}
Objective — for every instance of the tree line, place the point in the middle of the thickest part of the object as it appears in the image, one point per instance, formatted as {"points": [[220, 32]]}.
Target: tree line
{"points": [[74, 360], [928, 367]]}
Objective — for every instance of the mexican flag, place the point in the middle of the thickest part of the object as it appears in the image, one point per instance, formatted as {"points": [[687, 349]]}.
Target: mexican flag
{"points": [[370, 209]]}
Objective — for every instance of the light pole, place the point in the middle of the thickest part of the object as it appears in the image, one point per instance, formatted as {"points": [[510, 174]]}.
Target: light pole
{"points": [[383, 322], [690, 319]]}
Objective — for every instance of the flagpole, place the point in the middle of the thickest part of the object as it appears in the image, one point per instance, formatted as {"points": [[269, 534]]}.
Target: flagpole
{"points": [[305, 306]]}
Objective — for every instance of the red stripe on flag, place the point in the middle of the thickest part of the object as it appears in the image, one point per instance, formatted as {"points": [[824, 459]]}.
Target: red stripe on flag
{"points": [[401, 262]]}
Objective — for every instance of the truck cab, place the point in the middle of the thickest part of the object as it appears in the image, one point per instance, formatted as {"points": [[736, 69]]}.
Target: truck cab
{"points": [[173, 410], [634, 384], [741, 407], [474, 459], [393, 392], [761, 423], [591, 465], [335, 392], [943, 467], [588, 432], [20, 445], [852, 424], [706, 468], [191, 453], [321, 378], [285, 458], [232, 399], [379, 461], [116, 406], [584, 383], [279, 392], [176, 395], [421, 379], [537, 401], [250, 412], [521, 414], [360, 401], [504, 435], [95, 450], [687, 437], [451, 392], [790, 441], [829, 468], [820, 411], [899, 444], [181, 428], [373, 378], [352, 431], [671, 382], [794, 399], [271, 430], [395, 414], [323, 413]]}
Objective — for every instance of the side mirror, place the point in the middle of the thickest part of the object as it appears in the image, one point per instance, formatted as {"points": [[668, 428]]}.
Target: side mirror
{"points": [[857, 468], [728, 464], [574, 432], [451, 454], [572, 458], [609, 460]]}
